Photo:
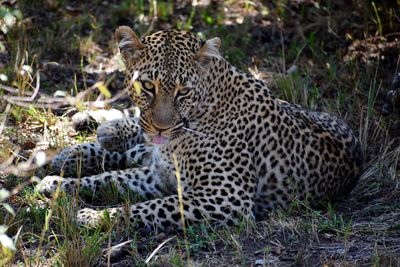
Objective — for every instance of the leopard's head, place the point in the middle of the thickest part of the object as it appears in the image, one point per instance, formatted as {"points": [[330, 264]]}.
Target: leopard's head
{"points": [[171, 70]]}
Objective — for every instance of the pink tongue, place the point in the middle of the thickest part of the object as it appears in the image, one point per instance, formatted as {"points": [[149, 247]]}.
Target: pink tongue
{"points": [[159, 139]]}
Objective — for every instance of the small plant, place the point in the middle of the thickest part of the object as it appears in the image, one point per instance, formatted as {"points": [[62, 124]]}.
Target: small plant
{"points": [[334, 222], [200, 237], [76, 246]]}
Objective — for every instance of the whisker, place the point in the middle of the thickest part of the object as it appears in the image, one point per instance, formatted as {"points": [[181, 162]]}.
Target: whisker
{"points": [[207, 126], [206, 136], [194, 131]]}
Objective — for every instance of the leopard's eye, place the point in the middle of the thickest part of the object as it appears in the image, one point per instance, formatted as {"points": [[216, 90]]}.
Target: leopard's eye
{"points": [[183, 92], [149, 88]]}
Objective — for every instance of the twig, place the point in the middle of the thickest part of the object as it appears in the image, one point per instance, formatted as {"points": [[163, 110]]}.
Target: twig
{"points": [[5, 116], [12, 89], [283, 48], [24, 103], [157, 249], [110, 249], [37, 86]]}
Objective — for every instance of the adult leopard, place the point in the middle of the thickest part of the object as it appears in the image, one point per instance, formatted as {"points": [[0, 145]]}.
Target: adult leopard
{"points": [[240, 151]]}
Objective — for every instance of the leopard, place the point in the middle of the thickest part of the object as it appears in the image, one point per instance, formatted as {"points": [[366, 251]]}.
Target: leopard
{"points": [[211, 143]]}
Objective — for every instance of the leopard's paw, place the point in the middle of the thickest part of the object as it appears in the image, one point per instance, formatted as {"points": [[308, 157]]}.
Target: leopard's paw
{"points": [[90, 218], [48, 184], [108, 136], [94, 218], [83, 121]]}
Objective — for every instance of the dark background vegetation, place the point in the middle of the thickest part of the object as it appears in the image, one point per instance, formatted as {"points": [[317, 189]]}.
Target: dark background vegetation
{"points": [[336, 56]]}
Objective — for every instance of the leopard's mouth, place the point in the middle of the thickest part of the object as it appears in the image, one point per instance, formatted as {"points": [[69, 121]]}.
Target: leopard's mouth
{"points": [[160, 137]]}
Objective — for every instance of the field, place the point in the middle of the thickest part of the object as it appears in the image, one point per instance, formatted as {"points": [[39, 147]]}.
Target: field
{"points": [[59, 57]]}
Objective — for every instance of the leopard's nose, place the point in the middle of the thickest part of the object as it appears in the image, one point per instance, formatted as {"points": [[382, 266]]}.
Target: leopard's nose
{"points": [[163, 120], [163, 114]]}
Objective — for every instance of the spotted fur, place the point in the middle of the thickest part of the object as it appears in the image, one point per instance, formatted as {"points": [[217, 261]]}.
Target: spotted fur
{"points": [[240, 151]]}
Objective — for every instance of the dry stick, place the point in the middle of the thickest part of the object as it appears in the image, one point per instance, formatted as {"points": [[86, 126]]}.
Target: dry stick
{"points": [[45, 99], [110, 249], [102, 104], [283, 49], [19, 100], [26, 104], [17, 91], [125, 90], [37, 86], [4, 119], [157, 249], [46, 102], [12, 89]]}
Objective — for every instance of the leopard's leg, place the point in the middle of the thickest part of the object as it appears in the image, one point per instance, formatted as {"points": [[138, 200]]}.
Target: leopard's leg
{"points": [[85, 159], [91, 158], [161, 213], [212, 195], [117, 141], [149, 180], [142, 181]]}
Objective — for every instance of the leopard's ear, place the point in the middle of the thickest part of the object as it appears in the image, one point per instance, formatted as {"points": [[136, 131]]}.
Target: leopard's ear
{"points": [[128, 42], [209, 50]]}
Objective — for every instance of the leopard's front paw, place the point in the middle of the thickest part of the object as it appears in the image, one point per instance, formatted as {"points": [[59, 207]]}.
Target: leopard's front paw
{"points": [[83, 121], [94, 218], [48, 184], [108, 136], [90, 218]]}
